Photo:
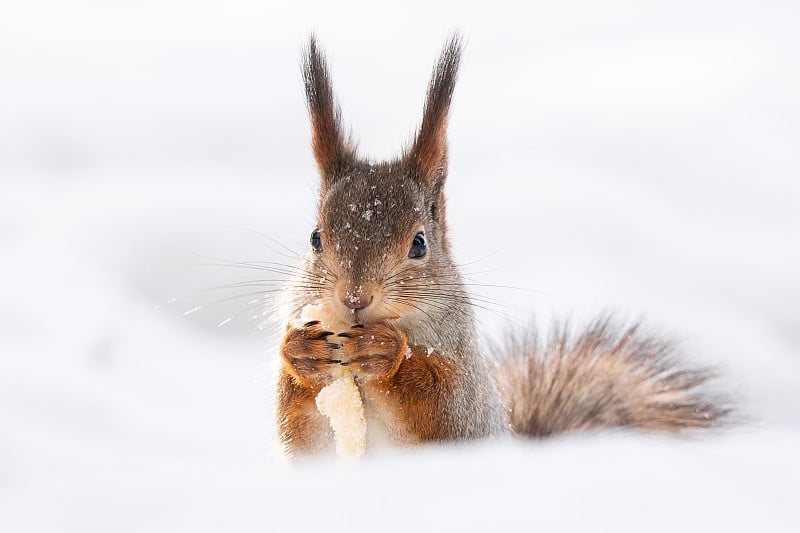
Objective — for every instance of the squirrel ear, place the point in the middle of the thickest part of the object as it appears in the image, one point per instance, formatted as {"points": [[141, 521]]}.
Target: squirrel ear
{"points": [[428, 153], [333, 152]]}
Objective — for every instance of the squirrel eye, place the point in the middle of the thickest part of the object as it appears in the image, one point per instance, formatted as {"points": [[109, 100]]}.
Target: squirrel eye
{"points": [[316, 240], [418, 247]]}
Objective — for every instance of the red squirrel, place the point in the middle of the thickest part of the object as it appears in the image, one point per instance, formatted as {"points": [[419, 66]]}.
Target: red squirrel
{"points": [[380, 261]]}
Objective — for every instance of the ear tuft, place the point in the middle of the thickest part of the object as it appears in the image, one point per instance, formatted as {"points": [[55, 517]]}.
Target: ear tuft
{"points": [[428, 153], [333, 152]]}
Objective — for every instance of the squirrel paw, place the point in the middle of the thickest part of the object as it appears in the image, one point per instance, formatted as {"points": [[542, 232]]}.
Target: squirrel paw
{"points": [[374, 350], [309, 353]]}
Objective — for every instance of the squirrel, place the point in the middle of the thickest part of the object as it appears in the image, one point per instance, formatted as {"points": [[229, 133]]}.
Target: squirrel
{"points": [[380, 260]]}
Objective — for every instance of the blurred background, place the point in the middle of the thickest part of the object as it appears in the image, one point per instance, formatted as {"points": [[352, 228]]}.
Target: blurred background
{"points": [[634, 157]]}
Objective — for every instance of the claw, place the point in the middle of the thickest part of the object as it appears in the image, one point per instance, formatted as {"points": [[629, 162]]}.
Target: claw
{"points": [[359, 326], [345, 335], [311, 323]]}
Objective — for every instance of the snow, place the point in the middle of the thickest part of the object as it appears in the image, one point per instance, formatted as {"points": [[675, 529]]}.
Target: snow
{"points": [[625, 156]]}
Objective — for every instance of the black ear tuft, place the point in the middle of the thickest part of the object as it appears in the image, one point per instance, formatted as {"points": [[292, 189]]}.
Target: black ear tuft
{"points": [[333, 152], [428, 153]]}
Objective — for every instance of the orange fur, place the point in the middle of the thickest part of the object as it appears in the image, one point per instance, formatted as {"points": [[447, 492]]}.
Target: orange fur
{"points": [[302, 429], [417, 394]]}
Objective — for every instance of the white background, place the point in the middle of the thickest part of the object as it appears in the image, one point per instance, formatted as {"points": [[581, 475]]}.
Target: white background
{"points": [[634, 157]]}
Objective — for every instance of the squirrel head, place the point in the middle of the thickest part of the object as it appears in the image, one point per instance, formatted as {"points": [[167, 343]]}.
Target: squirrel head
{"points": [[380, 248]]}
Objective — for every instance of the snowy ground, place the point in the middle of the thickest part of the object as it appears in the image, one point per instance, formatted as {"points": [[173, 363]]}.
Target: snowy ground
{"points": [[624, 156]]}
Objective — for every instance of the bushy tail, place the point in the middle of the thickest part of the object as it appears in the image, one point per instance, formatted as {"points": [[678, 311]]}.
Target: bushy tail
{"points": [[606, 376]]}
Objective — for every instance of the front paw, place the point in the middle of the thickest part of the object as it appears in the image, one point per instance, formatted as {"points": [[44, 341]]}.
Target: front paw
{"points": [[374, 350], [309, 353]]}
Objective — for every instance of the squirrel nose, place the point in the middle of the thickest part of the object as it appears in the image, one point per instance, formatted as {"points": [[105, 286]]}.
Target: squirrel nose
{"points": [[356, 302]]}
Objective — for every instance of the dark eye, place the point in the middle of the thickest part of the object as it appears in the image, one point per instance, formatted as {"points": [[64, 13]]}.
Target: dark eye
{"points": [[316, 241], [418, 247]]}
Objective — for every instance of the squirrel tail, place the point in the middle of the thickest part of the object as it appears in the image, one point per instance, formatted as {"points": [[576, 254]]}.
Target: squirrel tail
{"points": [[606, 376]]}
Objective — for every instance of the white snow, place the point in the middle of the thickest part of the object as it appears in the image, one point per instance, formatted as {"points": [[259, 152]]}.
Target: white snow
{"points": [[626, 156]]}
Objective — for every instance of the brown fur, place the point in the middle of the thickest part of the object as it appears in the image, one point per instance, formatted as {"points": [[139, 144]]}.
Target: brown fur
{"points": [[442, 390], [428, 153], [334, 153]]}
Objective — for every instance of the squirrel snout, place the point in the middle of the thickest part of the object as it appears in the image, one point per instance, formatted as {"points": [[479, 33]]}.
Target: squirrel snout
{"points": [[357, 301], [355, 296]]}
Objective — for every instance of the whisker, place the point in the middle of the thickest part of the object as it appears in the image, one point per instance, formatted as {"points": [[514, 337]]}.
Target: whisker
{"points": [[264, 295], [248, 308], [409, 304], [444, 300], [294, 255]]}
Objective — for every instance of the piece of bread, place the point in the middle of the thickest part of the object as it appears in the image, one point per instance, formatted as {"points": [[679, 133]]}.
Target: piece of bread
{"points": [[341, 400]]}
